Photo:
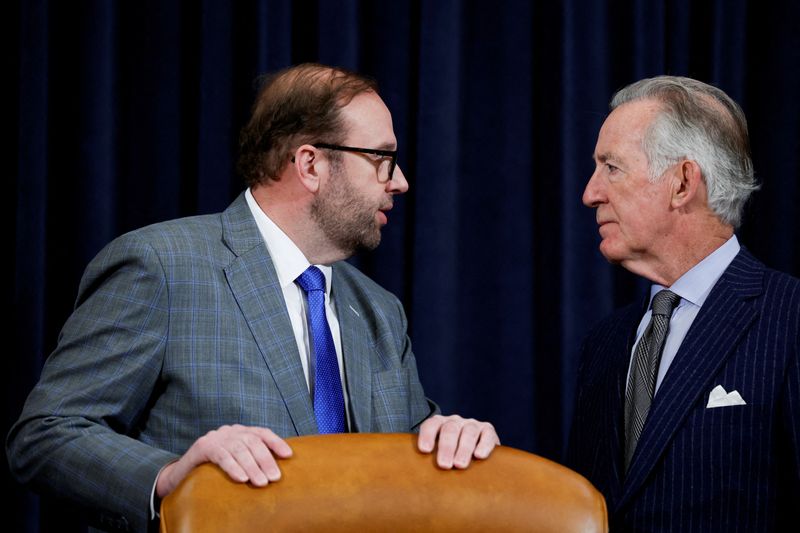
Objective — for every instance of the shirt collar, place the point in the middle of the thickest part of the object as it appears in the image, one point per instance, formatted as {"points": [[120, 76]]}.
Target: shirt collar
{"points": [[287, 258], [695, 285]]}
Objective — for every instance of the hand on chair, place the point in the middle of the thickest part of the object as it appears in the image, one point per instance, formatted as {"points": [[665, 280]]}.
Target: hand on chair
{"points": [[459, 439], [244, 453]]}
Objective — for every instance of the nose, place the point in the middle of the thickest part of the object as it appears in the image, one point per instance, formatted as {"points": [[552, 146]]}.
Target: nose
{"points": [[594, 193], [398, 183]]}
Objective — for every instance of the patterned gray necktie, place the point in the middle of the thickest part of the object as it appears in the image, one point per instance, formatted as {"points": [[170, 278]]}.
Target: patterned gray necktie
{"points": [[646, 359]]}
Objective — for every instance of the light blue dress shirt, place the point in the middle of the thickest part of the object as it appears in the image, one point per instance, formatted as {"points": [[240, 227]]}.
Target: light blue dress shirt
{"points": [[693, 288]]}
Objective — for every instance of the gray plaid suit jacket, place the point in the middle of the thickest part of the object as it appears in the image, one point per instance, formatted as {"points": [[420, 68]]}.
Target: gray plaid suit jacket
{"points": [[179, 328]]}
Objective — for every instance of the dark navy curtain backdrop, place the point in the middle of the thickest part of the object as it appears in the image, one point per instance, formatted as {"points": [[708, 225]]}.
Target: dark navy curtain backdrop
{"points": [[127, 113]]}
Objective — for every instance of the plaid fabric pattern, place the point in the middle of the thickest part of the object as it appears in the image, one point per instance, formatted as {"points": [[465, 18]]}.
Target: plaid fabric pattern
{"points": [[180, 328]]}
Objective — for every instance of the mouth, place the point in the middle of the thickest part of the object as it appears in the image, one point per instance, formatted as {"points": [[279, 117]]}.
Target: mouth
{"points": [[603, 222], [604, 227], [383, 217]]}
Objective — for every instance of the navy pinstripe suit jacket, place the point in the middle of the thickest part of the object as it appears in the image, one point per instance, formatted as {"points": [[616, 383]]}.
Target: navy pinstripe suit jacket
{"points": [[729, 469], [179, 328]]}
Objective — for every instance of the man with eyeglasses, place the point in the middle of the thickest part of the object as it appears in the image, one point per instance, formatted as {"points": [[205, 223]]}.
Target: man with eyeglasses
{"points": [[212, 338]]}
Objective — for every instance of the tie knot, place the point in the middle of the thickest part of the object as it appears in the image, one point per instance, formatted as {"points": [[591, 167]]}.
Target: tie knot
{"points": [[312, 279], [664, 303]]}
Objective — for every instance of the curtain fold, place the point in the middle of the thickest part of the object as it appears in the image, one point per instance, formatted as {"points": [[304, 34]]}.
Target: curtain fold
{"points": [[127, 113]]}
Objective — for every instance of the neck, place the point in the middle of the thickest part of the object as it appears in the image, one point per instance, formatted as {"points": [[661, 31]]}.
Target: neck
{"points": [[292, 214], [677, 254]]}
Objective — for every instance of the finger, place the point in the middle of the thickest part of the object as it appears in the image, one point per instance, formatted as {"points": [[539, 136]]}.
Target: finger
{"points": [[428, 432], [263, 457], [487, 443], [277, 445], [448, 443], [242, 448], [211, 448], [264, 449], [467, 441], [229, 464]]}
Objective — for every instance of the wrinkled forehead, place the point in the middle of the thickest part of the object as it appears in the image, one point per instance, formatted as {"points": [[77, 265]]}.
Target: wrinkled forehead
{"points": [[625, 127], [638, 114]]}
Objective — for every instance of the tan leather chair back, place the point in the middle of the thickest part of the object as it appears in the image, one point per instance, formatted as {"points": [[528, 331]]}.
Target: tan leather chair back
{"points": [[380, 482]]}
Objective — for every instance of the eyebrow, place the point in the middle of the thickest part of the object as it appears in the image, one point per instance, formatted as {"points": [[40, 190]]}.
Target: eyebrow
{"points": [[603, 157], [388, 146]]}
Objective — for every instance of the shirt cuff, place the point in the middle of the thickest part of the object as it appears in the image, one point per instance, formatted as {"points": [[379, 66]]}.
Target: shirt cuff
{"points": [[155, 502]]}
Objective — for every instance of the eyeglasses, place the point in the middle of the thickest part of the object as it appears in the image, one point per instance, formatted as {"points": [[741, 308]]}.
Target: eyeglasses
{"points": [[391, 154]]}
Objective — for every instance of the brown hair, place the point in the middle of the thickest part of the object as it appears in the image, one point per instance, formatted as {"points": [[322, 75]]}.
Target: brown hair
{"points": [[297, 105]]}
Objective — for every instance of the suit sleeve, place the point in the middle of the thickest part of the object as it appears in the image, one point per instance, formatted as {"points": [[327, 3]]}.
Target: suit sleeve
{"points": [[576, 437], [77, 434], [421, 406], [398, 399], [791, 430]]}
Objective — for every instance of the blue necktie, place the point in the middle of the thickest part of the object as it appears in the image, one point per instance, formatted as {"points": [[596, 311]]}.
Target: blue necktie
{"points": [[328, 395]]}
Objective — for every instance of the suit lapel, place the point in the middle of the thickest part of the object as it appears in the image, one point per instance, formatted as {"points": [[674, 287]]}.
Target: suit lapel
{"points": [[254, 284], [616, 399], [723, 320], [355, 352]]}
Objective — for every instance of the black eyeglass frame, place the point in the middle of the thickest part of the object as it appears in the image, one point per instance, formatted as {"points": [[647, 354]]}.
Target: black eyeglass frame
{"points": [[384, 153]]}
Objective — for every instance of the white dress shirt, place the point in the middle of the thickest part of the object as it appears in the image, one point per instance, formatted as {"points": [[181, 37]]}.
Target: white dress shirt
{"points": [[289, 263], [693, 288]]}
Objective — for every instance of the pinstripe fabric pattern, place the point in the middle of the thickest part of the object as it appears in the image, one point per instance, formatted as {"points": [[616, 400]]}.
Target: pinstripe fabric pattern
{"points": [[180, 328], [696, 469]]}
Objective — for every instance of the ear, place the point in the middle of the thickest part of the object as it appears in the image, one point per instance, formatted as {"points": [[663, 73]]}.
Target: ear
{"points": [[687, 182], [308, 167]]}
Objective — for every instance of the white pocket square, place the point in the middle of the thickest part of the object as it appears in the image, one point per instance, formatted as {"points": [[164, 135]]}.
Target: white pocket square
{"points": [[720, 398]]}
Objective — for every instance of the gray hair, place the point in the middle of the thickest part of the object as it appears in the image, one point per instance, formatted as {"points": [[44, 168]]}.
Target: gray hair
{"points": [[701, 123]]}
